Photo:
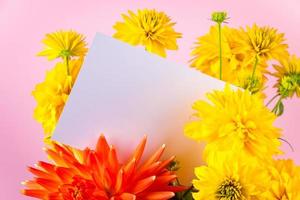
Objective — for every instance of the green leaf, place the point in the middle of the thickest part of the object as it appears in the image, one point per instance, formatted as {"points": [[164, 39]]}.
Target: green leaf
{"points": [[280, 108]]}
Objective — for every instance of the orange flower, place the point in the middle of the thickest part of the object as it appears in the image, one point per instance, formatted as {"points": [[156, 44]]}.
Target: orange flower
{"points": [[98, 175]]}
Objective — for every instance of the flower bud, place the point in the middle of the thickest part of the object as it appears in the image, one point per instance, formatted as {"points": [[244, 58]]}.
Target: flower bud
{"points": [[219, 17]]}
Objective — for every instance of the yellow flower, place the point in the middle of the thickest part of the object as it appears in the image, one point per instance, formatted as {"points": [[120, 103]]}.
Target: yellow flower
{"points": [[206, 54], [230, 180], [285, 181], [52, 94], [149, 28], [235, 120], [262, 42], [254, 84], [235, 70], [288, 74], [64, 44]]}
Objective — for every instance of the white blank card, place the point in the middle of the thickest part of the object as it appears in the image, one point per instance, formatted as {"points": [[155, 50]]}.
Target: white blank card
{"points": [[125, 92]]}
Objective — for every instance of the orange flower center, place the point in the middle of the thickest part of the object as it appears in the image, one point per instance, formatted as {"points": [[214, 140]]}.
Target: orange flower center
{"points": [[79, 189]]}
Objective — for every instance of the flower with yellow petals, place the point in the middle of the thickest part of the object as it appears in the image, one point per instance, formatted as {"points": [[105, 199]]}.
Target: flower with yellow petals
{"points": [[52, 94], [148, 28], [288, 74], [63, 44], [235, 70], [235, 121], [206, 54], [230, 180], [99, 175], [262, 43], [285, 181], [254, 84]]}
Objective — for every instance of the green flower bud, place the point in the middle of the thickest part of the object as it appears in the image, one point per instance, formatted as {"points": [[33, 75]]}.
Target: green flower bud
{"points": [[219, 17], [254, 85], [288, 85]]}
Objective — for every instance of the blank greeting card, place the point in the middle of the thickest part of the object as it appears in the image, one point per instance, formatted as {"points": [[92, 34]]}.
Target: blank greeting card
{"points": [[125, 92]]}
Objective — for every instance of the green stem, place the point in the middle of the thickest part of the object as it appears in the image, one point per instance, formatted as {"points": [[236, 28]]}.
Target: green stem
{"points": [[254, 67], [220, 48], [270, 101], [67, 59]]}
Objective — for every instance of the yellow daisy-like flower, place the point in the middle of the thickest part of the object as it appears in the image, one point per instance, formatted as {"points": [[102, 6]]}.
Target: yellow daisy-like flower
{"points": [[253, 84], [64, 44], [235, 70], [231, 180], [206, 54], [264, 43], [149, 28], [285, 181], [288, 74], [52, 94], [235, 120]]}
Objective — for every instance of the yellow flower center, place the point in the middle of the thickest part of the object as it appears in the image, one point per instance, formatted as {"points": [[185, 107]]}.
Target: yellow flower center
{"points": [[243, 128], [230, 189], [149, 34], [240, 127]]}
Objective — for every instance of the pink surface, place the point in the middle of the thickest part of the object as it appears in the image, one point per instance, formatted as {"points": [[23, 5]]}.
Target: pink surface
{"points": [[24, 23]]}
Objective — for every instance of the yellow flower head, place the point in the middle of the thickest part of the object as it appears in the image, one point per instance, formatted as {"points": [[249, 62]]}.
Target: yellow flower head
{"points": [[231, 180], [264, 42], [253, 84], [285, 181], [63, 44], [149, 28], [235, 122], [288, 74], [206, 54], [52, 94], [235, 69]]}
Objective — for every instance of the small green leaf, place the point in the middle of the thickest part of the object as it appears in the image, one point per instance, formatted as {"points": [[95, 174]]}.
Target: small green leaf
{"points": [[280, 108], [188, 196]]}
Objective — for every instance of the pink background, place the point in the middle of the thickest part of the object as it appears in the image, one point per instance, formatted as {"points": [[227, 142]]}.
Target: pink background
{"points": [[24, 23]]}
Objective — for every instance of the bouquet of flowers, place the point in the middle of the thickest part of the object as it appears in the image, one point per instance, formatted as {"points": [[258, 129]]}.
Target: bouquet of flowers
{"points": [[241, 140]]}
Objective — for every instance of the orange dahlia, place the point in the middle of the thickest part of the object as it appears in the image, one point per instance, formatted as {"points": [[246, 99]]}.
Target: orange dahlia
{"points": [[98, 175]]}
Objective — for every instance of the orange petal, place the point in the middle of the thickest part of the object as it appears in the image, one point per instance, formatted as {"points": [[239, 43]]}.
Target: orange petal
{"points": [[65, 174], [100, 174], [42, 174], [127, 196], [140, 149], [49, 185], [102, 147], [159, 195], [119, 181], [129, 168], [59, 148], [148, 171], [155, 157], [165, 164], [143, 184], [164, 180], [56, 157], [31, 185], [113, 163], [40, 194], [47, 167]]}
